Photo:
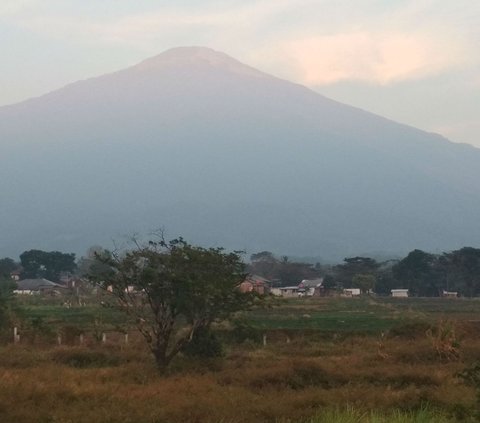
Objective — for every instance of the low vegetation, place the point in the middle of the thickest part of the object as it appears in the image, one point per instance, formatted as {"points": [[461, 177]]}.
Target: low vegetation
{"points": [[225, 356], [403, 371]]}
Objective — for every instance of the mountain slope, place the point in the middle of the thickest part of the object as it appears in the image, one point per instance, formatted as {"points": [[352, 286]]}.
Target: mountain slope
{"points": [[223, 154]]}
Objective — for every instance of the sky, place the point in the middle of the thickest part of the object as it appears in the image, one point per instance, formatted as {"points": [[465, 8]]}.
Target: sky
{"points": [[413, 61]]}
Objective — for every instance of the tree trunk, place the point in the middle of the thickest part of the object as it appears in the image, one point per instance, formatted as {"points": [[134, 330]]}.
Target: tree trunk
{"points": [[161, 359]]}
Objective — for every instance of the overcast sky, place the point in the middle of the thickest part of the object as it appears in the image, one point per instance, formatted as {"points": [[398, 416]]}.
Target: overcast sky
{"points": [[414, 61]]}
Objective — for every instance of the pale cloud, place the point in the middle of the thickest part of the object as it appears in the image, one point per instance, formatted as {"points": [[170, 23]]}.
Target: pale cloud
{"points": [[10, 8], [138, 29], [475, 83], [375, 57], [376, 44], [407, 40]]}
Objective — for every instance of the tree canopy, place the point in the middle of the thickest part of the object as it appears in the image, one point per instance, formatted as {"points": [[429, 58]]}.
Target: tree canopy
{"points": [[462, 270], [48, 265], [174, 289], [7, 265], [284, 271], [419, 273], [353, 266], [6, 299]]}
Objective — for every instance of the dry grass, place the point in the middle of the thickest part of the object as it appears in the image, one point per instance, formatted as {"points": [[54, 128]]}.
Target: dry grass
{"points": [[305, 379]]}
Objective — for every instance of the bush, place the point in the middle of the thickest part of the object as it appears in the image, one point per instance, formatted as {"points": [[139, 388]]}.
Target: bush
{"points": [[410, 330], [70, 333], [445, 340], [243, 331], [35, 329], [82, 358], [204, 344]]}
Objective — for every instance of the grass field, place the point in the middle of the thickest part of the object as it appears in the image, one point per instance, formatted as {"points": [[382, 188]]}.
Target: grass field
{"points": [[326, 360], [352, 315]]}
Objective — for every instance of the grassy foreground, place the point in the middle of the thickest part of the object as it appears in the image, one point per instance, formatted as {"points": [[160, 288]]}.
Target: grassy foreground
{"points": [[350, 415], [400, 372]]}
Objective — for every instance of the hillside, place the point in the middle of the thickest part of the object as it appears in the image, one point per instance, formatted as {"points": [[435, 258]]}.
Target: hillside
{"points": [[216, 151]]}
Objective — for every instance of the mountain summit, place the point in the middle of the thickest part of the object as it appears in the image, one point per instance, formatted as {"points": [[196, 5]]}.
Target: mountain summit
{"points": [[214, 150], [196, 56]]}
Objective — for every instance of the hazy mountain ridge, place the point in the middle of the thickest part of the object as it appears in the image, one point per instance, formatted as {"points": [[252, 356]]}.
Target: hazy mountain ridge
{"points": [[224, 154]]}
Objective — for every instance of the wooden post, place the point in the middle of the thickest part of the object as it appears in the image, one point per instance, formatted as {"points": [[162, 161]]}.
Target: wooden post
{"points": [[104, 338], [264, 339], [59, 339], [126, 338], [288, 339], [16, 336], [81, 339]]}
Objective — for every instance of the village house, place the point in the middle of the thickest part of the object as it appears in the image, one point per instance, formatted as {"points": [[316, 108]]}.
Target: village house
{"points": [[38, 286], [312, 287], [449, 294], [399, 293], [290, 291], [255, 283], [352, 292], [306, 288]]}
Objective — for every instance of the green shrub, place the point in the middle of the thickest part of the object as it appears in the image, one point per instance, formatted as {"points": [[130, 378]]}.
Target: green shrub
{"points": [[243, 331], [204, 344], [410, 330], [70, 333], [83, 358]]}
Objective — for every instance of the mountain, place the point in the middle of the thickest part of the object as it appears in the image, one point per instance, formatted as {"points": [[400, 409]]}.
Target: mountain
{"points": [[214, 150]]}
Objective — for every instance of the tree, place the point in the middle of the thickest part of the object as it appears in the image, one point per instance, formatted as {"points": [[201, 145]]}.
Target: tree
{"points": [[88, 265], [462, 269], [7, 265], [49, 265], [366, 283], [355, 266], [6, 299], [284, 271], [292, 273], [419, 273], [263, 264], [384, 277], [174, 289]]}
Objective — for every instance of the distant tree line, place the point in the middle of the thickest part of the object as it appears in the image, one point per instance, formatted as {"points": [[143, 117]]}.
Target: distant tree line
{"points": [[422, 273], [35, 264], [282, 271]]}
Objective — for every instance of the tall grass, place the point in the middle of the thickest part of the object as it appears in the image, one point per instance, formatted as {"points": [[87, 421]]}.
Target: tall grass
{"points": [[399, 376], [352, 415]]}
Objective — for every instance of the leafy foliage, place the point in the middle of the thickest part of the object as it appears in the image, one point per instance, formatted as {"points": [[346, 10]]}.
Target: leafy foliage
{"points": [[366, 283], [6, 301], [353, 266], [7, 265], [48, 265], [204, 344], [462, 268], [418, 272], [283, 271], [174, 289]]}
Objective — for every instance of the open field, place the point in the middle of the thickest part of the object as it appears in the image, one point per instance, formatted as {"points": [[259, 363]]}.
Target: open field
{"points": [[351, 315], [326, 360]]}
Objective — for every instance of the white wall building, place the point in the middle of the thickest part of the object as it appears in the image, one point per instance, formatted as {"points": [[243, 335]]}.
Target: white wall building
{"points": [[399, 293]]}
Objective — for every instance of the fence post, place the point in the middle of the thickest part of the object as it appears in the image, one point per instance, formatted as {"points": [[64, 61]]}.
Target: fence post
{"points": [[264, 339], [126, 338], [59, 339], [81, 339], [16, 335], [104, 338]]}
